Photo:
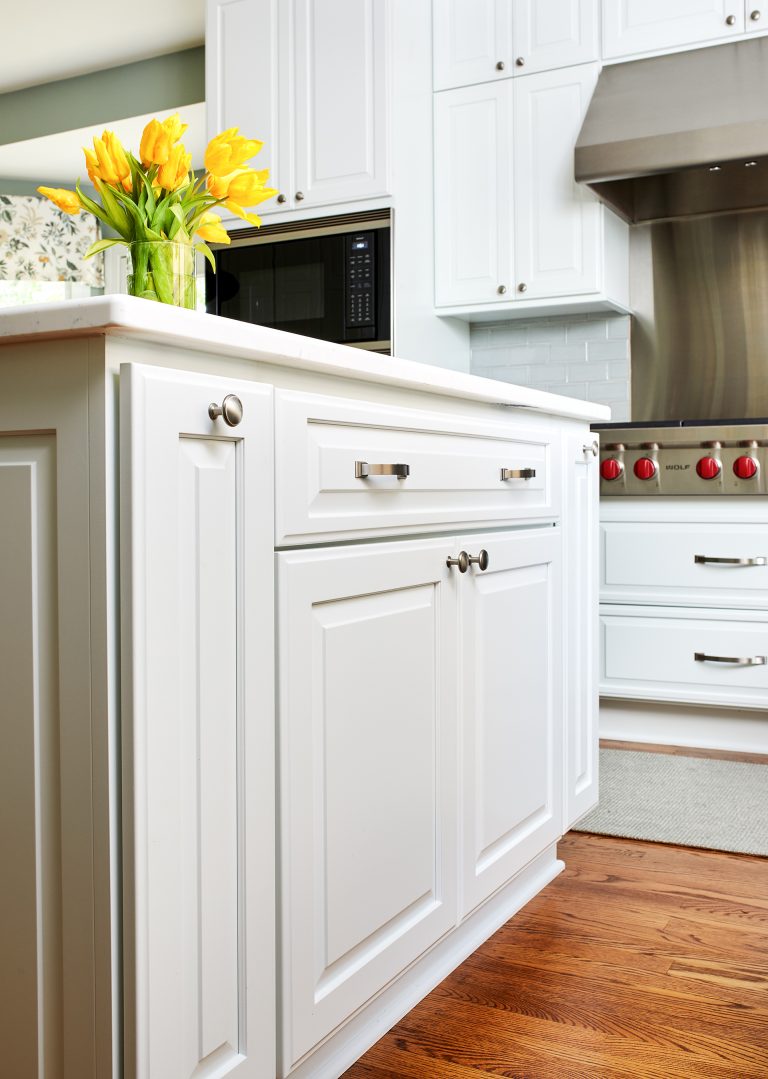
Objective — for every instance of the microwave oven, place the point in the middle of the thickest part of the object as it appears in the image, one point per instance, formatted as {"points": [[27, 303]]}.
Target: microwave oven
{"points": [[329, 279]]}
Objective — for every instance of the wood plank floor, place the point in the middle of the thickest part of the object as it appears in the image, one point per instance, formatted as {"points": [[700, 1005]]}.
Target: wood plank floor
{"points": [[639, 960]]}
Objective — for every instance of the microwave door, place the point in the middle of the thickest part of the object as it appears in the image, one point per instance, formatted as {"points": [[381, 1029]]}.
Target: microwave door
{"points": [[243, 286], [309, 287]]}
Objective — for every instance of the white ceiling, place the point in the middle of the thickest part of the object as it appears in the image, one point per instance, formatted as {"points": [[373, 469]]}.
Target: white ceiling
{"points": [[57, 160], [46, 39]]}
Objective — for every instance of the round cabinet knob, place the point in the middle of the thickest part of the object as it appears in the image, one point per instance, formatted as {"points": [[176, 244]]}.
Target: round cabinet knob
{"points": [[754, 16], [645, 468], [611, 468], [520, 61], [731, 20], [281, 198], [501, 289], [230, 410], [522, 287], [299, 196], [482, 561], [709, 468], [500, 65], [462, 561], [745, 468]]}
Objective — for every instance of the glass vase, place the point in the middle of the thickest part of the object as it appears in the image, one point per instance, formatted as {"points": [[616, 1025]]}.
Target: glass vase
{"points": [[163, 270]]}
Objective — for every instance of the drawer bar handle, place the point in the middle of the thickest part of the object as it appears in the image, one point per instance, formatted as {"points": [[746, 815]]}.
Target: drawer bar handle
{"points": [[518, 473], [741, 661], [363, 470], [703, 559]]}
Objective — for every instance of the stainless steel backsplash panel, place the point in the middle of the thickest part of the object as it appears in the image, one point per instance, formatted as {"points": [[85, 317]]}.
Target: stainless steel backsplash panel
{"points": [[699, 292]]}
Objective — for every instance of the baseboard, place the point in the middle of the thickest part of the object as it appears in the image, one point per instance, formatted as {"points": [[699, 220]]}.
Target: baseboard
{"points": [[733, 729], [340, 1051]]}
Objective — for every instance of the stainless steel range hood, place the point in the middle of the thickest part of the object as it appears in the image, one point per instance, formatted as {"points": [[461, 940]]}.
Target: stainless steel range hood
{"points": [[680, 135]]}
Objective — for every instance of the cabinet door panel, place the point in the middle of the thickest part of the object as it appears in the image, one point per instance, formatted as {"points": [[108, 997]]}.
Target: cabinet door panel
{"points": [[367, 722], [341, 106], [197, 726], [557, 223], [473, 194], [470, 38], [511, 707], [635, 26], [554, 33]]}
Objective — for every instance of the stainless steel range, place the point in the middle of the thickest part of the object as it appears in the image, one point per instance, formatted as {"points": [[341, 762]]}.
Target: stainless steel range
{"points": [[684, 458]]}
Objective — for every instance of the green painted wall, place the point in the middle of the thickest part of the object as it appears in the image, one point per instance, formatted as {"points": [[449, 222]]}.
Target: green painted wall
{"points": [[102, 96]]}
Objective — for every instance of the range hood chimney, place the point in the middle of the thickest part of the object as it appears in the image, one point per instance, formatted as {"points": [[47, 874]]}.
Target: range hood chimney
{"points": [[682, 135]]}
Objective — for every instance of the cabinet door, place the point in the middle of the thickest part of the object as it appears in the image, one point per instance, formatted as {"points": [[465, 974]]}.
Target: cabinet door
{"points": [[637, 26], [557, 222], [198, 727], [472, 41], [581, 622], [243, 72], [367, 704], [511, 707], [473, 194], [554, 33], [755, 17], [341, 78]]}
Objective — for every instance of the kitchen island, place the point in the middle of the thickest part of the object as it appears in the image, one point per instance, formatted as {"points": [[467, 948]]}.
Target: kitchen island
{"points": [[297, 665]]}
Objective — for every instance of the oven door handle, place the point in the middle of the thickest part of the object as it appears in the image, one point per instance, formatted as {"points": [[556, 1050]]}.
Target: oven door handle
{"points": [[703, 559], [741, 661]]}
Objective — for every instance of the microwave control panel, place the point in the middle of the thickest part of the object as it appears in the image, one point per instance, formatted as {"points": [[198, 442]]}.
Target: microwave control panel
{"points": [[360, 279]]}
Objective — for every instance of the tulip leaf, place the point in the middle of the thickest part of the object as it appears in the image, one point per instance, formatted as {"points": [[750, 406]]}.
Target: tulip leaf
{"points": [[102, 245], [204, 249], [180, 224], [101, 213]]}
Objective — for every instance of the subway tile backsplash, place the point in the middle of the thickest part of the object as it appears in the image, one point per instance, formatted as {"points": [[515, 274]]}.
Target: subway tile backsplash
{"points": [[584, 356]]}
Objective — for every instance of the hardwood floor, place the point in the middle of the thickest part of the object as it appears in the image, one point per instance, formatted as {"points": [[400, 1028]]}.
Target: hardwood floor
{"points": [[641, 959]]}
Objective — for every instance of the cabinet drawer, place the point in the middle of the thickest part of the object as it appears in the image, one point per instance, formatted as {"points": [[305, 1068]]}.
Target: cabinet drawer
{"points": [[454, 470], [653, 657], [656, 562]]}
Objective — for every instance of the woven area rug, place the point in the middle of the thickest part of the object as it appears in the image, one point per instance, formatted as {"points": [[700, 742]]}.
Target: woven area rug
{"points": [[691, 801]]}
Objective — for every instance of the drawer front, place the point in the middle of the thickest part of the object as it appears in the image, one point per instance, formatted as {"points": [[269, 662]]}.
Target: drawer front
{"points": [[654, 657], [657, 562], [453, 470]]}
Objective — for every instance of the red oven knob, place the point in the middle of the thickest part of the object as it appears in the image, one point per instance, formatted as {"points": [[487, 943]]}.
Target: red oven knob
{"points": [[611, 468], [708, 468], [745, 467], [645, 468]]}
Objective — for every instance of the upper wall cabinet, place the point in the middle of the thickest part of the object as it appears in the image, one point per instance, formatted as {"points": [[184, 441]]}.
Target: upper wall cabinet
{"points": [[309, 78], [481, 40], [640, 26]]}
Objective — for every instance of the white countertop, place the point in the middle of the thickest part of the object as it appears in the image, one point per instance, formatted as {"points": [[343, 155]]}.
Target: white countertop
{"points": [[128, 316]]}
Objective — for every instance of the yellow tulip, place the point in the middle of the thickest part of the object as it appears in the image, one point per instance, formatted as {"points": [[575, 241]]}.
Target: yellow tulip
{"points": [[244, 187], [175, 172], [228, 151], [65, 200], [210, 229], [173, 127], [158, 139], [107, 161]]}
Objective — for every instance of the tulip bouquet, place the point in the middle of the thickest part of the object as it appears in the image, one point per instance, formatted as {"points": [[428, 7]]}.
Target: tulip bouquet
{"points": [[157, 207]]}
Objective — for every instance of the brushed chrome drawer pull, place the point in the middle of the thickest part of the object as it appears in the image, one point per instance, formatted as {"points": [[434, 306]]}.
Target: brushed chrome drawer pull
{"points": [[703, 559], [482, 561], [230, 410], [462, 561], [741, 661], [518, 473], [363, 470]]}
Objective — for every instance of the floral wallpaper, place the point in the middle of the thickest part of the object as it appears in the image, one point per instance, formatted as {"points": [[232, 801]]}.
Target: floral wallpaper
{"points": [[40, 243]]}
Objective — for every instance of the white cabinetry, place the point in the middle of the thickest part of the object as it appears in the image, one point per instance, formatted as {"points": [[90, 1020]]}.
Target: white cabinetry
{"points": [[480, 40], [513, 230], [639, 26], [311, 79]]}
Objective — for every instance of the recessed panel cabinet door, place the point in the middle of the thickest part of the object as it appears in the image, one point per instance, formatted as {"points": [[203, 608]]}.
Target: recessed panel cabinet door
{"points": [[198, 727], [511, 707], [636, 26], [555, 33], [367, 705], [472, 41]]}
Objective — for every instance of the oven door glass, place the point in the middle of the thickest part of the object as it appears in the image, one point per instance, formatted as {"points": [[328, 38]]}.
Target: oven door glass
{"points": [[293, 285]]}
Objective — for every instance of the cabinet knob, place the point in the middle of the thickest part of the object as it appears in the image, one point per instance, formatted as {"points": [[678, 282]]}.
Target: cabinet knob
{"points": [[299, 196], [754, 15], [482, 561], [230, 410], [281, 198], [462, 561], [501, 289], [520, 61], [731, 20], [592, 448], [500, 65], [522, 287]]}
